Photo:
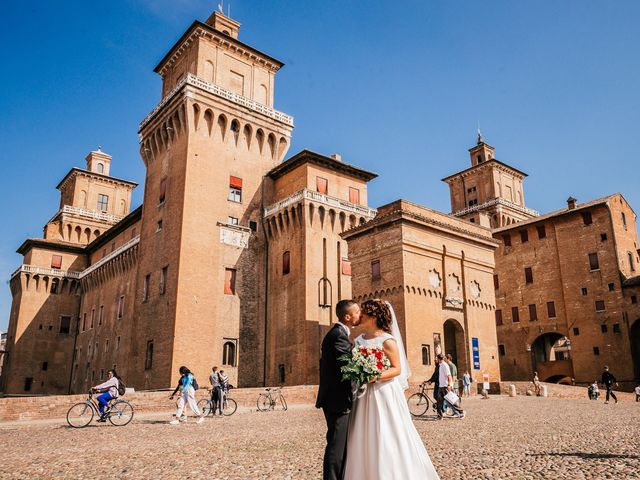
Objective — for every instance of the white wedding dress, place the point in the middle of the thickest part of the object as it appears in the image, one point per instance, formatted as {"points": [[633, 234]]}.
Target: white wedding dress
{"points": [[383, 443]]}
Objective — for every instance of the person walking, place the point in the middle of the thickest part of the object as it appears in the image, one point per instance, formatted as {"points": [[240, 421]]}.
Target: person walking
{"points": [[466, 384], [536, 383], [216, 391], [609, 381], [435, 379], [224, 387], [335, 395], [187, 395], [445, 383], [110, 390], [454, 373]]}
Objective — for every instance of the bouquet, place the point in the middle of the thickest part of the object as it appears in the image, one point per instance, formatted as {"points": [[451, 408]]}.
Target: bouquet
{"points": [[364, 364]]}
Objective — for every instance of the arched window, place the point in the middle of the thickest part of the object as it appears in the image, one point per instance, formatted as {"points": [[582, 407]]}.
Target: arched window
{"points": [[100, 168], [229, 354], [426, 354], [286, 265]]}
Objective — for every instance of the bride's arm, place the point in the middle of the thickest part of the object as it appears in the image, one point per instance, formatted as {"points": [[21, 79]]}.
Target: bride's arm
{"points": [[390, 348]]}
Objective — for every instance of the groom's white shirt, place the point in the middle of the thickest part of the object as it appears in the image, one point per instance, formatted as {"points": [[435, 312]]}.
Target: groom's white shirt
{"points": [[346, 329]]}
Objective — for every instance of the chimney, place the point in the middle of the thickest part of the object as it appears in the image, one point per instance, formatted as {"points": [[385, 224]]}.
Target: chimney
{"points": [[571, 203], [337, 157]]}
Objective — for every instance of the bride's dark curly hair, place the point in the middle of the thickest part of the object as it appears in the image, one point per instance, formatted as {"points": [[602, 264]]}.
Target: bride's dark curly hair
{"points": [[378, 309]]}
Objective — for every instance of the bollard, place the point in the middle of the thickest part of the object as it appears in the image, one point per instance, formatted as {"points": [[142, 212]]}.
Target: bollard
{"points": [[543, 391], [512, 390], [485, 394]]}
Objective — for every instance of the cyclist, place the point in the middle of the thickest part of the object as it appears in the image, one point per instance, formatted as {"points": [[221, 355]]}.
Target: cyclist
{"points": [[187, 395], [110, 389]]}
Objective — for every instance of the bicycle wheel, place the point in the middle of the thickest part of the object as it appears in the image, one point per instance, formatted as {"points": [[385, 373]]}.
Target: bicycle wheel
{"points": [[264, 402], [206, 407], [229, 407], [283, 403], [418, 404], [121, 413], [80, 415]]}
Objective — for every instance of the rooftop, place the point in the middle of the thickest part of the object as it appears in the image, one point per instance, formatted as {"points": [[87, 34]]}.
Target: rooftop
{"points": [[308, 156]]}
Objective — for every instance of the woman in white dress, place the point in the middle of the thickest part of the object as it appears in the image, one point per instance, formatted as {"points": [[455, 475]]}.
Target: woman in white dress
{"points": [[383, 443]]}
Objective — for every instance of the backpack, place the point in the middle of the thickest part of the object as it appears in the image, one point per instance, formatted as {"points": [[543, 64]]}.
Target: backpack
{"points": [[194, 383], [122, 388]]}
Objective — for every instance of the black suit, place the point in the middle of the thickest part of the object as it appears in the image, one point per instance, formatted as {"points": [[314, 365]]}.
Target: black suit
{"points": [[335, 397]]}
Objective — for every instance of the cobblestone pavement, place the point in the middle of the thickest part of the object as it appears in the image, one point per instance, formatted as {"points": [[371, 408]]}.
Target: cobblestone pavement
{"points": [[522, 438]]}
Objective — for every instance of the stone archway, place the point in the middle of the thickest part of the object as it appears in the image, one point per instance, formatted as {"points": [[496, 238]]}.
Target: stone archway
{"points": [[634, 338], [454, 343], [551, 357]]}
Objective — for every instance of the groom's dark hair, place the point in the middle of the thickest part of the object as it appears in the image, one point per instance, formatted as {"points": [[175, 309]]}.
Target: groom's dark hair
{"points": [[342, 308]]}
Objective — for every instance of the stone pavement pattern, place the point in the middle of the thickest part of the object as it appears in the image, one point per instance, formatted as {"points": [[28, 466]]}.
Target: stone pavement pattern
{"points": [[519, 438]]}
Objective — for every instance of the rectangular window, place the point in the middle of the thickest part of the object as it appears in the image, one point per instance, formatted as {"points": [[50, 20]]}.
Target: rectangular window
{"points": [[65, 325], [528, 275], [599, 305], [148, 361], [93, 316], [45, 366], [533, 313], [354, 195], [524, 236], [121, 307], [28, 382], [286, 265], [498, 317], [501, 350], [117, 343], [100, 314], [103, 202], [551, 309], [229, 281], [232, 221], [576, 331], [163, 280], [594, 264], [507, 240], [253, 226], [426, 354], [515, 314], [596, 350], [134, 231], [375, 269], [159, 226], [583, 291], [84, 321], [281, 373], [616, 328], [163, 190], [346, 267], [542, 231], [586, 218], [603, 328], [631, 265], [496, 281], [145, 287], [634, 299], [56, 261], [612, 287], [106, 346], [473, 202], [235, 189], [322, 185], [624, 220], [603, 237]]}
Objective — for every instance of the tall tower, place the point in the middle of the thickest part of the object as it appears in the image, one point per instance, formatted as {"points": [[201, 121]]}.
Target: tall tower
{"points": [[206, 148], [489, 192]]}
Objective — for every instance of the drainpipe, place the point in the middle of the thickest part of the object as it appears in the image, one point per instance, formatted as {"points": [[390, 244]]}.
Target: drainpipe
{"points": [[75, 341], [266, 282]]}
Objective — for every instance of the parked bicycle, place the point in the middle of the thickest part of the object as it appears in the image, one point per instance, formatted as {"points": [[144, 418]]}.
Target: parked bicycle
{"points": [[119, 412], [271, 399], [208, 407], [420, 403]]}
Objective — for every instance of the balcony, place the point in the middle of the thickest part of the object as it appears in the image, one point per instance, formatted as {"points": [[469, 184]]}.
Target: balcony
{"points": [[49, 272], [83, 212], [322, 199], [493, 202], [217, 90]]}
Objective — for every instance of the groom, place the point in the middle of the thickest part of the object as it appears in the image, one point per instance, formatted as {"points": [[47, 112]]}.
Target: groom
{"points": [[335, 396]]}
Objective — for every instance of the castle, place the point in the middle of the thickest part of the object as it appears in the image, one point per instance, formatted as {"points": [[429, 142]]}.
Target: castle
{"points": [[237, 256]]}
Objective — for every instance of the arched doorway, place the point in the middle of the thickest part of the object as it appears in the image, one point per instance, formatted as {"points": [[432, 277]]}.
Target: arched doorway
{"points": [[634, 338], [551, 357], [454, 343]]}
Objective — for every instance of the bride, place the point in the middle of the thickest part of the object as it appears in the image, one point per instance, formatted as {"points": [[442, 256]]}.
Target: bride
{"points": [[382, 442]]}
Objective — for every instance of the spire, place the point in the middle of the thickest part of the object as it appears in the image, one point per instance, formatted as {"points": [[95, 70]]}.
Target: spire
{"points": [[480, 137]]}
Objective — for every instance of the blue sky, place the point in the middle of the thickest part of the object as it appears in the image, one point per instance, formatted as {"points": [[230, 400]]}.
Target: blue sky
{"points": [[394, 87]]}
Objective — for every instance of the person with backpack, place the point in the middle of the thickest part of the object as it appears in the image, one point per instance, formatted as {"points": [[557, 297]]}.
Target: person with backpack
{"points": [[188, 386], [110, 389]]}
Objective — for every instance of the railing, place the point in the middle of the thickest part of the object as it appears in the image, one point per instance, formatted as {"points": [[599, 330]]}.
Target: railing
{"points": [[51, 272], [496, 201], [190, 79], [320, 198], [94, 214], [134, 241]]}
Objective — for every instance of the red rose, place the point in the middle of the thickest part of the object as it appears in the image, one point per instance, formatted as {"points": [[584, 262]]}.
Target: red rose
{"points": [[380, 365], [379, 355]]}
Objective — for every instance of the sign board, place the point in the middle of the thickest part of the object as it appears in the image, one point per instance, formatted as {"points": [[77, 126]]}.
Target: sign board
{"points": [[476, 353], [485, 381]]}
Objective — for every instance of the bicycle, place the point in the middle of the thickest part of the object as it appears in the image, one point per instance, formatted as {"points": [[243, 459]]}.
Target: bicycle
{"points": [[208, 407], [420, 402], [119, 412], [270, 399]]}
